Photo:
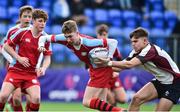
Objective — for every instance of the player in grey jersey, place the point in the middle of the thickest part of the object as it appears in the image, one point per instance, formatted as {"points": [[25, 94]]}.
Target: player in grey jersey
{"points": [[165, 85]]}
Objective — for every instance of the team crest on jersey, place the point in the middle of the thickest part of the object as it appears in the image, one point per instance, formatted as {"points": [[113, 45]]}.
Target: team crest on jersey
{"points": [[83, 53], [27, 40]]}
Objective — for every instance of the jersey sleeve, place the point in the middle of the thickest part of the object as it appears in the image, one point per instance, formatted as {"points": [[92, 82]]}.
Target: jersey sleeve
{"points": [[48, 49], [147, 54], [17, 36], [14, 39]]}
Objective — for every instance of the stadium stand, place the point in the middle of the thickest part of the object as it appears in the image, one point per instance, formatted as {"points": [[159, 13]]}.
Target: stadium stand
{"points": [[159, 22]]}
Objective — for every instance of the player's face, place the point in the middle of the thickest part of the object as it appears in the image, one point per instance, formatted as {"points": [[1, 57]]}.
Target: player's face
{"points": [[72, 38], [39, 24], [102, 35], [26, 18], [138, 43]]}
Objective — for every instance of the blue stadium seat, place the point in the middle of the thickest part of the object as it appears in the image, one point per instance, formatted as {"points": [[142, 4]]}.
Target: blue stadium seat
{"points": [[13, 13], [88, 30], [129, 14], [131, 18], [157, 32], [157, 5], [3, 27], [170, 18], [101, 16], [115, 17], [90, 15], [131, 23], [17, 3], [4, 14], [115, 32], [58, 53], [168, 31], [46, 3], [157, 19], [4, 3], [154, 15], [72, 58], [126, 31], [47, 9], [145, 24], [56, 29], [10, 25], [47, 29], [33, 3], [126, 50]]}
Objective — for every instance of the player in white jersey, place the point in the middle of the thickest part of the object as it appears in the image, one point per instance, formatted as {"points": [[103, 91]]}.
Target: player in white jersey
{"points": [[165, 85]]}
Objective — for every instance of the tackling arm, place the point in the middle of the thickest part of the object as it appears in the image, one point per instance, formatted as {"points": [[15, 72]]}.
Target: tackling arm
{"points": [[125, 64]]}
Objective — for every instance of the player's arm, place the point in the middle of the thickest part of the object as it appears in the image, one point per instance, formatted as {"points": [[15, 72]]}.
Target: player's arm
{"points": [[116, 69], [6, 55], [49, 38], [23, 60], [125, 64], [46, 62], [15, 39]]}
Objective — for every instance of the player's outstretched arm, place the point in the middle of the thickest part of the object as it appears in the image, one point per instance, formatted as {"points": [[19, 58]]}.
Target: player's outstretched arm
{"points": [[125, 64], [119, 64]]}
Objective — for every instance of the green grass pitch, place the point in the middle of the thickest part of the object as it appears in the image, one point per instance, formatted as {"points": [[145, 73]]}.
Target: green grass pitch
{"points": [[78, 107]]}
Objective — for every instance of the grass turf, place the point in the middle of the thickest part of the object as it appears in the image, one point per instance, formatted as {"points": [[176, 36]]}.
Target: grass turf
{"points": [[56, 106], [78, 107]]}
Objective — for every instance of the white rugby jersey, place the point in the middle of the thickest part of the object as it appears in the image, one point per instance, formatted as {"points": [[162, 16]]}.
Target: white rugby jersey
{"points": [[158, 62]]}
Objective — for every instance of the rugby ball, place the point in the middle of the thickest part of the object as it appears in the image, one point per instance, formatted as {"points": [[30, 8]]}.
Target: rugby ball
{"points": [[98, 52]]}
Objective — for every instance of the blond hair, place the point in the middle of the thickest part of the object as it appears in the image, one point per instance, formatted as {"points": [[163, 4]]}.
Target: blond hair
{"points": [[69, 27]]}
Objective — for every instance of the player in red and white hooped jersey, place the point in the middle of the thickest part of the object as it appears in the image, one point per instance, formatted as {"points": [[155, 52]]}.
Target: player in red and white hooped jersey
{"points": [[25, 18], [22, 73], [165, 85], [96, 90]]}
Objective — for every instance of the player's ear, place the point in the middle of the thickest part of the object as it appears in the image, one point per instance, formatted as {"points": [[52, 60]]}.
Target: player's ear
{"points": [[145, 39]]}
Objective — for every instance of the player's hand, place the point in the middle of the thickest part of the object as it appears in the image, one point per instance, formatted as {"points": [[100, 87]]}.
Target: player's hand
{"points": [[41, 49], [40, 71], [101, 61], [24, 61]]}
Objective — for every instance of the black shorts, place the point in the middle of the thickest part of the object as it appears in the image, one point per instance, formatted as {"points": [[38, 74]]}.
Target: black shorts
{"points": [[168, 91]]}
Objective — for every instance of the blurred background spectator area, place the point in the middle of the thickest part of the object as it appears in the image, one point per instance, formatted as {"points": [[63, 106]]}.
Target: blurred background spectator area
{"points": [[159, 17]]}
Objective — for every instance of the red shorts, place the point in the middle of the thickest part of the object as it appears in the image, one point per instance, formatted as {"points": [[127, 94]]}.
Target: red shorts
{"points": [[115, 83], [21, 79], [100, 77]]}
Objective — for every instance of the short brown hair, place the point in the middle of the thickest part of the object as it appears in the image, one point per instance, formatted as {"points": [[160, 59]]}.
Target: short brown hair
{"points": [[138, 33], [102, 28], [69, 27], [25, 8], [39, 13]]}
